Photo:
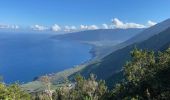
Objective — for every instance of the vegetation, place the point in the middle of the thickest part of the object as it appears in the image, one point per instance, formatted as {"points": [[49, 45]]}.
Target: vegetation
{"points": [[146, 77], [81, 89], [12, 92], [88, 89]]}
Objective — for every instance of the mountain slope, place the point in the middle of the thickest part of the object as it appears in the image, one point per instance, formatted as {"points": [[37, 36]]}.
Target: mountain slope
{"points": [[113, 63], [101, 39], [100, 35], [144, 35]]}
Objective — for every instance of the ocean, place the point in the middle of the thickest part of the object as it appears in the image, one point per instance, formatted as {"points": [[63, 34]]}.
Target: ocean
{"points": [[24, 56]]}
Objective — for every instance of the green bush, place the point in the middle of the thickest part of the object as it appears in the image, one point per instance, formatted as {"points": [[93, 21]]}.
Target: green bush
{"points": [[12, 92]]}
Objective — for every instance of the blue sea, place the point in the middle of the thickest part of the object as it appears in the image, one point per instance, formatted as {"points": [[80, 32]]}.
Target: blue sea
{"points": [[24, 56]]}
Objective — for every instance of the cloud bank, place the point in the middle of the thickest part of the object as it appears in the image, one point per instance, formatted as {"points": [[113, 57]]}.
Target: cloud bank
{"points": [[4, 26], [70, 28], [39, 27], [90, 27], [120, 24], [115, 23]]}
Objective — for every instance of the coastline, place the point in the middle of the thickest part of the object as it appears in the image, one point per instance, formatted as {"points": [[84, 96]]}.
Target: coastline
{"points": [[84, 63], [94, 57], [58, 78]]}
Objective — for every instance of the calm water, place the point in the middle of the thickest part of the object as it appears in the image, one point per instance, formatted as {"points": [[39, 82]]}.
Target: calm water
{"points": [[25, 56]]}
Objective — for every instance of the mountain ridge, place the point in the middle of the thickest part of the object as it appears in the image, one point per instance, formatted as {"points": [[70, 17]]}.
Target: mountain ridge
{"points": [[144, 35], [101, 40]]}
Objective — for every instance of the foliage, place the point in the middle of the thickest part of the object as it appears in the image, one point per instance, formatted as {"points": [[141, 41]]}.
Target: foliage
{"points": [[146, 77], [83, 89], [12, 92], [47, 82]]}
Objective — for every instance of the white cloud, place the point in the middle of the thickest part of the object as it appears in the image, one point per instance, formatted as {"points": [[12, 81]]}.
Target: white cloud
{"points": [[39, 27], [105, 26], [69, 28], [90, 27], [151, 23], [119, 24], [93, 27], [56, 28], [83, 27], [5, 26]]}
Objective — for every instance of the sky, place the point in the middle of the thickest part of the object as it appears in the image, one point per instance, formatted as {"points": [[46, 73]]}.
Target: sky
{"points": [[83, 14]]}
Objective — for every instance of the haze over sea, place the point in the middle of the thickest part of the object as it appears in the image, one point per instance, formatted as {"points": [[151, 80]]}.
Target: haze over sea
{"points": [[24, 56]]}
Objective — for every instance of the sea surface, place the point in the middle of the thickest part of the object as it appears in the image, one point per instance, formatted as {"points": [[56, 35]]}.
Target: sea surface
{"points": [[24, 56]]}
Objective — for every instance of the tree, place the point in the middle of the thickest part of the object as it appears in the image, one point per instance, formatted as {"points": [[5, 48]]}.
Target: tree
{"points": [[13, 92], [83, 89], [47, 82], [146, 77]]}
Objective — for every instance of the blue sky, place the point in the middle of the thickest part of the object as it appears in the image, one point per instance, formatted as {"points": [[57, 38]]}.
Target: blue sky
{"points": [[77, 12]]}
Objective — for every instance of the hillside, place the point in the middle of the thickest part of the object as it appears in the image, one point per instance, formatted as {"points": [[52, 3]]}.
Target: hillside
{"points": [[113, 63]]}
